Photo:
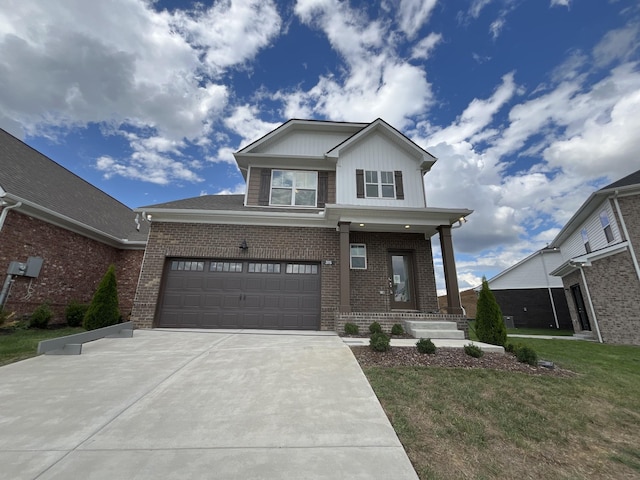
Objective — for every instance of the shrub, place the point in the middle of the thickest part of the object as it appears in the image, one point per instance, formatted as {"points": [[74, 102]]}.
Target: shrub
{"points": [[75, 312], [41, 316], [425, 345], [375, 327], [103, 310], [351, 329], [379, 342], [526, 354], [397, 329], [473, 351], [489, 322]]}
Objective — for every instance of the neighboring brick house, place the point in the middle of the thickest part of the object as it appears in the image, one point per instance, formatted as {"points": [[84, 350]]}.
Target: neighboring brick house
{"points": [[49, 213], [529, 296], [600, 273], [334, 227]]}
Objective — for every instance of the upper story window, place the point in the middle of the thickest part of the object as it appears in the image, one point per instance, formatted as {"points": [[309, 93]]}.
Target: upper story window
{"points": [[379, 184], [585, 240], [604, 220], [294, 188]]}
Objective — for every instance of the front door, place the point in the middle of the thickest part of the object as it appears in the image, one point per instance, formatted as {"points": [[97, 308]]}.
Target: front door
{"points": [[402, 281], [583, 318]]}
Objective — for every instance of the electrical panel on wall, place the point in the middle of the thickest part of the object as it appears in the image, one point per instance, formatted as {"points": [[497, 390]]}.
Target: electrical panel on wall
{"points": [[30, 269]]}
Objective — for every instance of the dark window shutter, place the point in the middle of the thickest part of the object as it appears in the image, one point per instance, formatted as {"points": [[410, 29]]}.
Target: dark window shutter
{"points": [[323, 188], [399, 186], [360, 183], [265, 186]]}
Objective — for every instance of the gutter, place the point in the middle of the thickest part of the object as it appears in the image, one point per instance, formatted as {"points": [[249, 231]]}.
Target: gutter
{"points": [[6, 209], [624, 230]]}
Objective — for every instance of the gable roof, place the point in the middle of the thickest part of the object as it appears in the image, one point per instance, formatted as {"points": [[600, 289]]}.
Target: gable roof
{"points": [[626, 185], [52, 193], [379, 125]]}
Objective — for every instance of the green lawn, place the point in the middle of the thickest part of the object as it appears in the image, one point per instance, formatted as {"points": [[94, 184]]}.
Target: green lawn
{"points": [[21, 344], [484, 424], [524, 331]]}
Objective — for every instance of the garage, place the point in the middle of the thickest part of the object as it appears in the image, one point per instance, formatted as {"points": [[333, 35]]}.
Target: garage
{"points": [[254, 294]]}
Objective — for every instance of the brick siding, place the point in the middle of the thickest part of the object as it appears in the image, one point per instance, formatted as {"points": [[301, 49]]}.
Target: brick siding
{"points": [[73, 266], [388, 319], [190, 240]]}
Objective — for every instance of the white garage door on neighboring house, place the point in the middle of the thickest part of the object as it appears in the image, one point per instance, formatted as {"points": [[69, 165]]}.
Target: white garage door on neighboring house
{"points": [[199, 293]]}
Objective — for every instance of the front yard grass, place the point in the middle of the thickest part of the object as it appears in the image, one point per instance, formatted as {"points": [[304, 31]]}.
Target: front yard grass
{"points": [[484, 424], [20, 344]]}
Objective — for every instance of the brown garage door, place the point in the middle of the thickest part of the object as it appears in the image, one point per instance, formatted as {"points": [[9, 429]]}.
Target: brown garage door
{"points": [[240, 294]]}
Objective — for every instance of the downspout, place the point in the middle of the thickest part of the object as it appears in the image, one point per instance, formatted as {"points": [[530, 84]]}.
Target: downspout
{"points": [[5, 210], [624, 230], [593, 312], [546, 277]]}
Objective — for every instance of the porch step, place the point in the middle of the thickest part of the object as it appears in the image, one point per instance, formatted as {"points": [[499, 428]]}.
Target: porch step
{"points": [[434, 329]]}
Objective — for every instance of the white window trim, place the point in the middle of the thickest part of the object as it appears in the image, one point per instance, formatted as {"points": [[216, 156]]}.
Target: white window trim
{"points": [[380, 184], [293, 188], [358, 256]]}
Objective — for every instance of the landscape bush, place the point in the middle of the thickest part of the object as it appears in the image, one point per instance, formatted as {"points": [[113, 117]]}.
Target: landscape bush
{"points": [[379, 342], [425, 345], [351, 329], [103, 309], [75, 312], [473, 351], [526, 354], [397, 329], [41, 316], [489, 322], [375, 327]]}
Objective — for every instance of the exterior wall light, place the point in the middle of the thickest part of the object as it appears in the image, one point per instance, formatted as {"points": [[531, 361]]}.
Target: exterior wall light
{"points": [[243, 246]]}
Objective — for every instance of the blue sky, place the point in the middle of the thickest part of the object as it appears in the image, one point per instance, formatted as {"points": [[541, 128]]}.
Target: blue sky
{"points": [[529, 105]]}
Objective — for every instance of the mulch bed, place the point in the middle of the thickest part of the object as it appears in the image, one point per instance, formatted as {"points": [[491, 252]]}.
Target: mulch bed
{"points": [[449, 358]]}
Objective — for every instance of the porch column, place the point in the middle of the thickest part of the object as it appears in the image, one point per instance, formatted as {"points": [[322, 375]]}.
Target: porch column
{"points": [[450, 274], [345, 270]]}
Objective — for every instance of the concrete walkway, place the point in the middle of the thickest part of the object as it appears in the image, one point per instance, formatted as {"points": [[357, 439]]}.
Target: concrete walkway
{"points": [[197, 405]]}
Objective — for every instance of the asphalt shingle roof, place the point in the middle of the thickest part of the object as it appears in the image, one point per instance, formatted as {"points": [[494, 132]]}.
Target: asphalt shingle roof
{"points": [[28, 174], [219, 202], [632, 179]]}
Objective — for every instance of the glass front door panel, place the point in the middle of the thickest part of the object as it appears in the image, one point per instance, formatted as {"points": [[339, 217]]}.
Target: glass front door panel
{"points": [[401, 279]]}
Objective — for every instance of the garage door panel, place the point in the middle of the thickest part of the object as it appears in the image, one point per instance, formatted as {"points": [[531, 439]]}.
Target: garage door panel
{"points": [[264, 297]]}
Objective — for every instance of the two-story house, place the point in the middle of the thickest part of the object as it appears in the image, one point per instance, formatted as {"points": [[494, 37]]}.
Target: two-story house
{"points": [[600, 273], [333, 227]]}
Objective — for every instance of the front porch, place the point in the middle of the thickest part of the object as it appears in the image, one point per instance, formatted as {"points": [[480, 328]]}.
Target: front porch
{"points": [[414, 323]]}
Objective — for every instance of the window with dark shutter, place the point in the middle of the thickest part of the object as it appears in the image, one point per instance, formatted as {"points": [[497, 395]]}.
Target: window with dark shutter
{"points": [[399, 186], [360, 183], [265, 186], [323, 188]]}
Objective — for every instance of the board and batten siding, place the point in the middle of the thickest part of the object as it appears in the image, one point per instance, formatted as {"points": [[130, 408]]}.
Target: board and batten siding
{"points": [[574, 245], [381, 154], [530, 273], [304, 143]]}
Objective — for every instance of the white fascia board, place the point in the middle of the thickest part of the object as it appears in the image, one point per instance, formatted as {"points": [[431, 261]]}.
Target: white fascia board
{"points": [[300, 162], [587, 259], [54, 218], [396, 216], [237, 217]]}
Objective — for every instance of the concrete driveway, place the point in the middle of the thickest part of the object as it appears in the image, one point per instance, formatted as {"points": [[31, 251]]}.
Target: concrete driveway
{"points": [[197, 405]]}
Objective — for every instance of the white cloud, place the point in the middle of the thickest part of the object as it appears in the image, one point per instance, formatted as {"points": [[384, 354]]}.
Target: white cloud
{"points": [[122, 63], [424, 48], [619, 44], [237, 189], [245, 122], [375, 82], [561, 3], [412, 14]]}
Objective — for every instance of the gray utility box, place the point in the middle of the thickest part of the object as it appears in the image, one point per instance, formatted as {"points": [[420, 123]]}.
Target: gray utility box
{"points": [[29, 269]]}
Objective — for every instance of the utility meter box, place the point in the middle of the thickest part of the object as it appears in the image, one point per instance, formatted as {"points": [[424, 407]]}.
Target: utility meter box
{"points": [[17, 268], [34, 264]]}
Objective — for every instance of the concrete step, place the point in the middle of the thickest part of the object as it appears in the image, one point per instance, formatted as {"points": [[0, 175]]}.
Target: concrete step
{"points": [[430, 325], [442, 334]]}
